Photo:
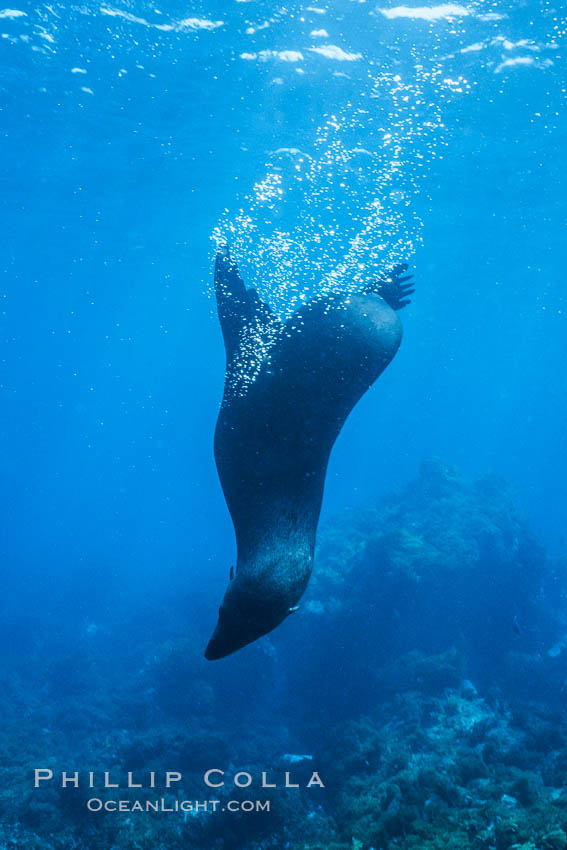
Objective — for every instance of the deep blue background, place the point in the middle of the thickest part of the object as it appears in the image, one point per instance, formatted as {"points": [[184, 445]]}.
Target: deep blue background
{"points": [[112, 360]]}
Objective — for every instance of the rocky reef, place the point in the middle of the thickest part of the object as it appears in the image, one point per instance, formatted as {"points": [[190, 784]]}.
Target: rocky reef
{"points": [[423, 680], [451, 770]]}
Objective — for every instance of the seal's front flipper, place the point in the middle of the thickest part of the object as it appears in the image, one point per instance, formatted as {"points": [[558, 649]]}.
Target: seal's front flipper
{"points": [[393, 288]]}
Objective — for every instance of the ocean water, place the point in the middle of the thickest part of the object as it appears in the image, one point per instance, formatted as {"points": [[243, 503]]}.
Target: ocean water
{"points": [[425, 674]]}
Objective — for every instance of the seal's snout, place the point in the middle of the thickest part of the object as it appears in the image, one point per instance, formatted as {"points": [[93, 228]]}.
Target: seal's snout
{"points": [[218, 646], [249, 611], [222, 642], [232, 634], [212, 652]]}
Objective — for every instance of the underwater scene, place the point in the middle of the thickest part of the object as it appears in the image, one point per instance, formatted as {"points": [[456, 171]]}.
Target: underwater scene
{"points": [[283, 416]]}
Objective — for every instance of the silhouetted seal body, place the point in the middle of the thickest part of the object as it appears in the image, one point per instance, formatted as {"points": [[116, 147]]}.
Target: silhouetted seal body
{"points": [[282, 410]]}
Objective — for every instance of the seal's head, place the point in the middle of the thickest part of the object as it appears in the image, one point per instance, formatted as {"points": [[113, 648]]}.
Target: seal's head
{"points": [[256, 602]]}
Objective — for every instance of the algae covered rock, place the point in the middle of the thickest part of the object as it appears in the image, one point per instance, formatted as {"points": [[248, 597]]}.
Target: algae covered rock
{"points": [[417, 676], [556, 839], [441, 567]]}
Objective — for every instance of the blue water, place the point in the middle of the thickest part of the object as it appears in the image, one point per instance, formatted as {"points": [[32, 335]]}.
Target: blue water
{"points": [[129, 131]]}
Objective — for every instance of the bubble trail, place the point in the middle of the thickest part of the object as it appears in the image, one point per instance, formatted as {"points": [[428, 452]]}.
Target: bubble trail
{"points": [[333, 215], [332, 218]]}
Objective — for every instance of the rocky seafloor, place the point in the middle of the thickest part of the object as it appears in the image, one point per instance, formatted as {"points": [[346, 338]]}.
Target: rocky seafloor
{"points": [[424, 680]]}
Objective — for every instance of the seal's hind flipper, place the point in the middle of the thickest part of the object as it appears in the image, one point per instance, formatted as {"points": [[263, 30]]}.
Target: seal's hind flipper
{"points": [[232, 299], [261, 310], [238, 306]]}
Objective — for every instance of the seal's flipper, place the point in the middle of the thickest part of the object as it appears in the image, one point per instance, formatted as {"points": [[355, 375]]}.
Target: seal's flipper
{"points": [[261, 310], [238, 306], [232, 300], [393, 288]]}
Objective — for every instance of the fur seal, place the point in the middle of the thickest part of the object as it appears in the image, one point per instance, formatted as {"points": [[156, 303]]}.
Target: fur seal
{"points": [[289, 387]]}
